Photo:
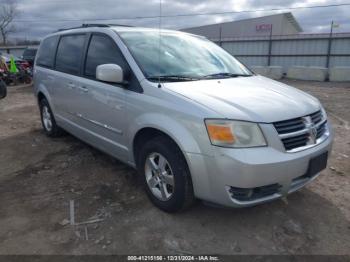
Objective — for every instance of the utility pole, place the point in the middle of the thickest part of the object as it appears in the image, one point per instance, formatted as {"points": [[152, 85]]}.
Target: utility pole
{"points": [[329, 44]]}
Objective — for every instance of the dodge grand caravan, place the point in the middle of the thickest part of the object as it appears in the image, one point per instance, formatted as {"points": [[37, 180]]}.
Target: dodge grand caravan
{"points": [[192, 120]]}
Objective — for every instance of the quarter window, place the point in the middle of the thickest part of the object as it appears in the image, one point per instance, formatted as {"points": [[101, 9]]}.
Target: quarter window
{"points": [[46, 54], [69, 54], [102, 50]]}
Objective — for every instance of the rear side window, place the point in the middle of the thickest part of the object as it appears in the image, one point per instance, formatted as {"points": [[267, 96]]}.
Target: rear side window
{"points": [[70, 49], [102, 50], [46, 54]]}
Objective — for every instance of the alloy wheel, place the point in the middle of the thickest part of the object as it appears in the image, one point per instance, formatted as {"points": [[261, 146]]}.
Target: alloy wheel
{"points": [[159, 176], [47, 120]]}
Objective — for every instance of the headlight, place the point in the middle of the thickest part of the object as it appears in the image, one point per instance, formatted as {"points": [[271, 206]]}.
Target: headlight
{"points": [[229, 133]]}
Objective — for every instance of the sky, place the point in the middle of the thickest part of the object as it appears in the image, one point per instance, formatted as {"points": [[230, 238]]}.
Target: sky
{"points": [[36, 18]]}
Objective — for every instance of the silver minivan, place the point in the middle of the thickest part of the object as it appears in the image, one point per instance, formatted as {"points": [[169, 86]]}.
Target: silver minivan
{"points": [[194, 122]]}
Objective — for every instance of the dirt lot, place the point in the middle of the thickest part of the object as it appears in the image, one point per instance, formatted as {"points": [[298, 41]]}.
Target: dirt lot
{"points": [[39, 176]]}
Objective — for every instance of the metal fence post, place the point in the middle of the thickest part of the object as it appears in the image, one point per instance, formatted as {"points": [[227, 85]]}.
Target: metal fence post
{"points": [[270, 48], [329, 46]]}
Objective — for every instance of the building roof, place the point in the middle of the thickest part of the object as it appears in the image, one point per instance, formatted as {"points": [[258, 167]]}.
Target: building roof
{"points": [[293, 21], [289, 16]]}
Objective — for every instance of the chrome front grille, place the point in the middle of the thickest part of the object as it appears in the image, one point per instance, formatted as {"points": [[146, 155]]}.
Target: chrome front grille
{"points": [[316, 117], [295, 141], [288, 126], [321, 129], [300, 133]]}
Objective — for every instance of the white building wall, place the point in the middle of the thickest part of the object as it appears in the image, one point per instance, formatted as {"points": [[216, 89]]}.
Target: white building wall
{"points": [[250, 27], [292, 50]]}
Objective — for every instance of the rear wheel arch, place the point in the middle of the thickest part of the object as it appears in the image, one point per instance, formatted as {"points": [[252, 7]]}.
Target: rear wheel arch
{"points": [[45, 109], [44, 94], [41, 96]]}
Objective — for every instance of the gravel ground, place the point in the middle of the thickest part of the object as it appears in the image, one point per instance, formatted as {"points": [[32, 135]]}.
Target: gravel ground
{"points": [[39, 176]]}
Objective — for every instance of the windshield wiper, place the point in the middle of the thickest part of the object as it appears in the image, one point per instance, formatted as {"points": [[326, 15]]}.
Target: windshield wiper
{"points": [[172, 78], [226, 75]]}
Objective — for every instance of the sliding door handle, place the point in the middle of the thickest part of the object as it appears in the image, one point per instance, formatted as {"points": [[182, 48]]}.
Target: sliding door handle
{"points": [[83, 88], [71, 85]]}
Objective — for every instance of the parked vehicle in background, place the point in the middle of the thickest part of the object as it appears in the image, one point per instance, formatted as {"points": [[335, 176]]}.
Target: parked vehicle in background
{"points": [[24, 74], [29, 55], [20, 63], [193, 121]]}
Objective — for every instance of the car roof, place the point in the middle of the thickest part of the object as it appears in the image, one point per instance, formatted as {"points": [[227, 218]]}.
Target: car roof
{"points": [[115, 28], [144, 29]]}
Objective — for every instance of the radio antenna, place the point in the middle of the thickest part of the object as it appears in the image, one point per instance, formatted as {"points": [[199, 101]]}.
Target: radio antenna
{"points": [[160, 42]]}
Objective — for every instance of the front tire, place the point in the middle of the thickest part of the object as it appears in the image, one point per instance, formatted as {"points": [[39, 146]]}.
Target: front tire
{"points": [[48, 121], [165, 175]]}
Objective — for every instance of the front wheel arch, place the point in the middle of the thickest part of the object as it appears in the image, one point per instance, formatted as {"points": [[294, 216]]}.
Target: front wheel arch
{"points": [[144, 135], [183, 196]]}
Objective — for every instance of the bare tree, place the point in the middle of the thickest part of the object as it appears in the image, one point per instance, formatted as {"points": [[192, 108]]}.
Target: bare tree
{"points": [[8, 12]]}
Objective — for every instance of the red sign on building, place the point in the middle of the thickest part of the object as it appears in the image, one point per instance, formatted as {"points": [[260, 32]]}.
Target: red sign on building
{"points": [[263, 28]]}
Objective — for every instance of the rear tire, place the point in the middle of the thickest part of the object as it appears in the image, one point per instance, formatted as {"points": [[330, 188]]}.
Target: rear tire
{"points": [[3, 89], [48, 121], [165, 175], [27, 79]]}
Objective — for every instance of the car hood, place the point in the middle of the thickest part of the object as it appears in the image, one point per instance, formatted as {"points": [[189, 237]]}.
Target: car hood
{"points": [[256, 98]]}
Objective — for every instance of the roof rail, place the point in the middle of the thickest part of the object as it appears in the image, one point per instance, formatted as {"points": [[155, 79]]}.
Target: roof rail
{"points": [[120, 25], [92, 25]]}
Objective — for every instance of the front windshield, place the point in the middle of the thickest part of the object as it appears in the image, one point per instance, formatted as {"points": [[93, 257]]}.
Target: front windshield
{"points": [[181, 55]]}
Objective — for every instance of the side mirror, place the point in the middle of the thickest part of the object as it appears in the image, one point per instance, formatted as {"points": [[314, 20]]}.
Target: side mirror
{"points": [[110, 73], [3, 89]]}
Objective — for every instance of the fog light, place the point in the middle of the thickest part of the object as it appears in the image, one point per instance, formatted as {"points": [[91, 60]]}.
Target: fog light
{"points": [[242, 194], [249, 194]]}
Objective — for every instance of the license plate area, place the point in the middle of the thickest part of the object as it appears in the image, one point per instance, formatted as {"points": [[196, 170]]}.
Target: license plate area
{"points": [[317, 164]]}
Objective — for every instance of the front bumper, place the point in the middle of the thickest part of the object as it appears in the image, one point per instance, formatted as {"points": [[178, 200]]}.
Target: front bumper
{"points": [[214, 176]]}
